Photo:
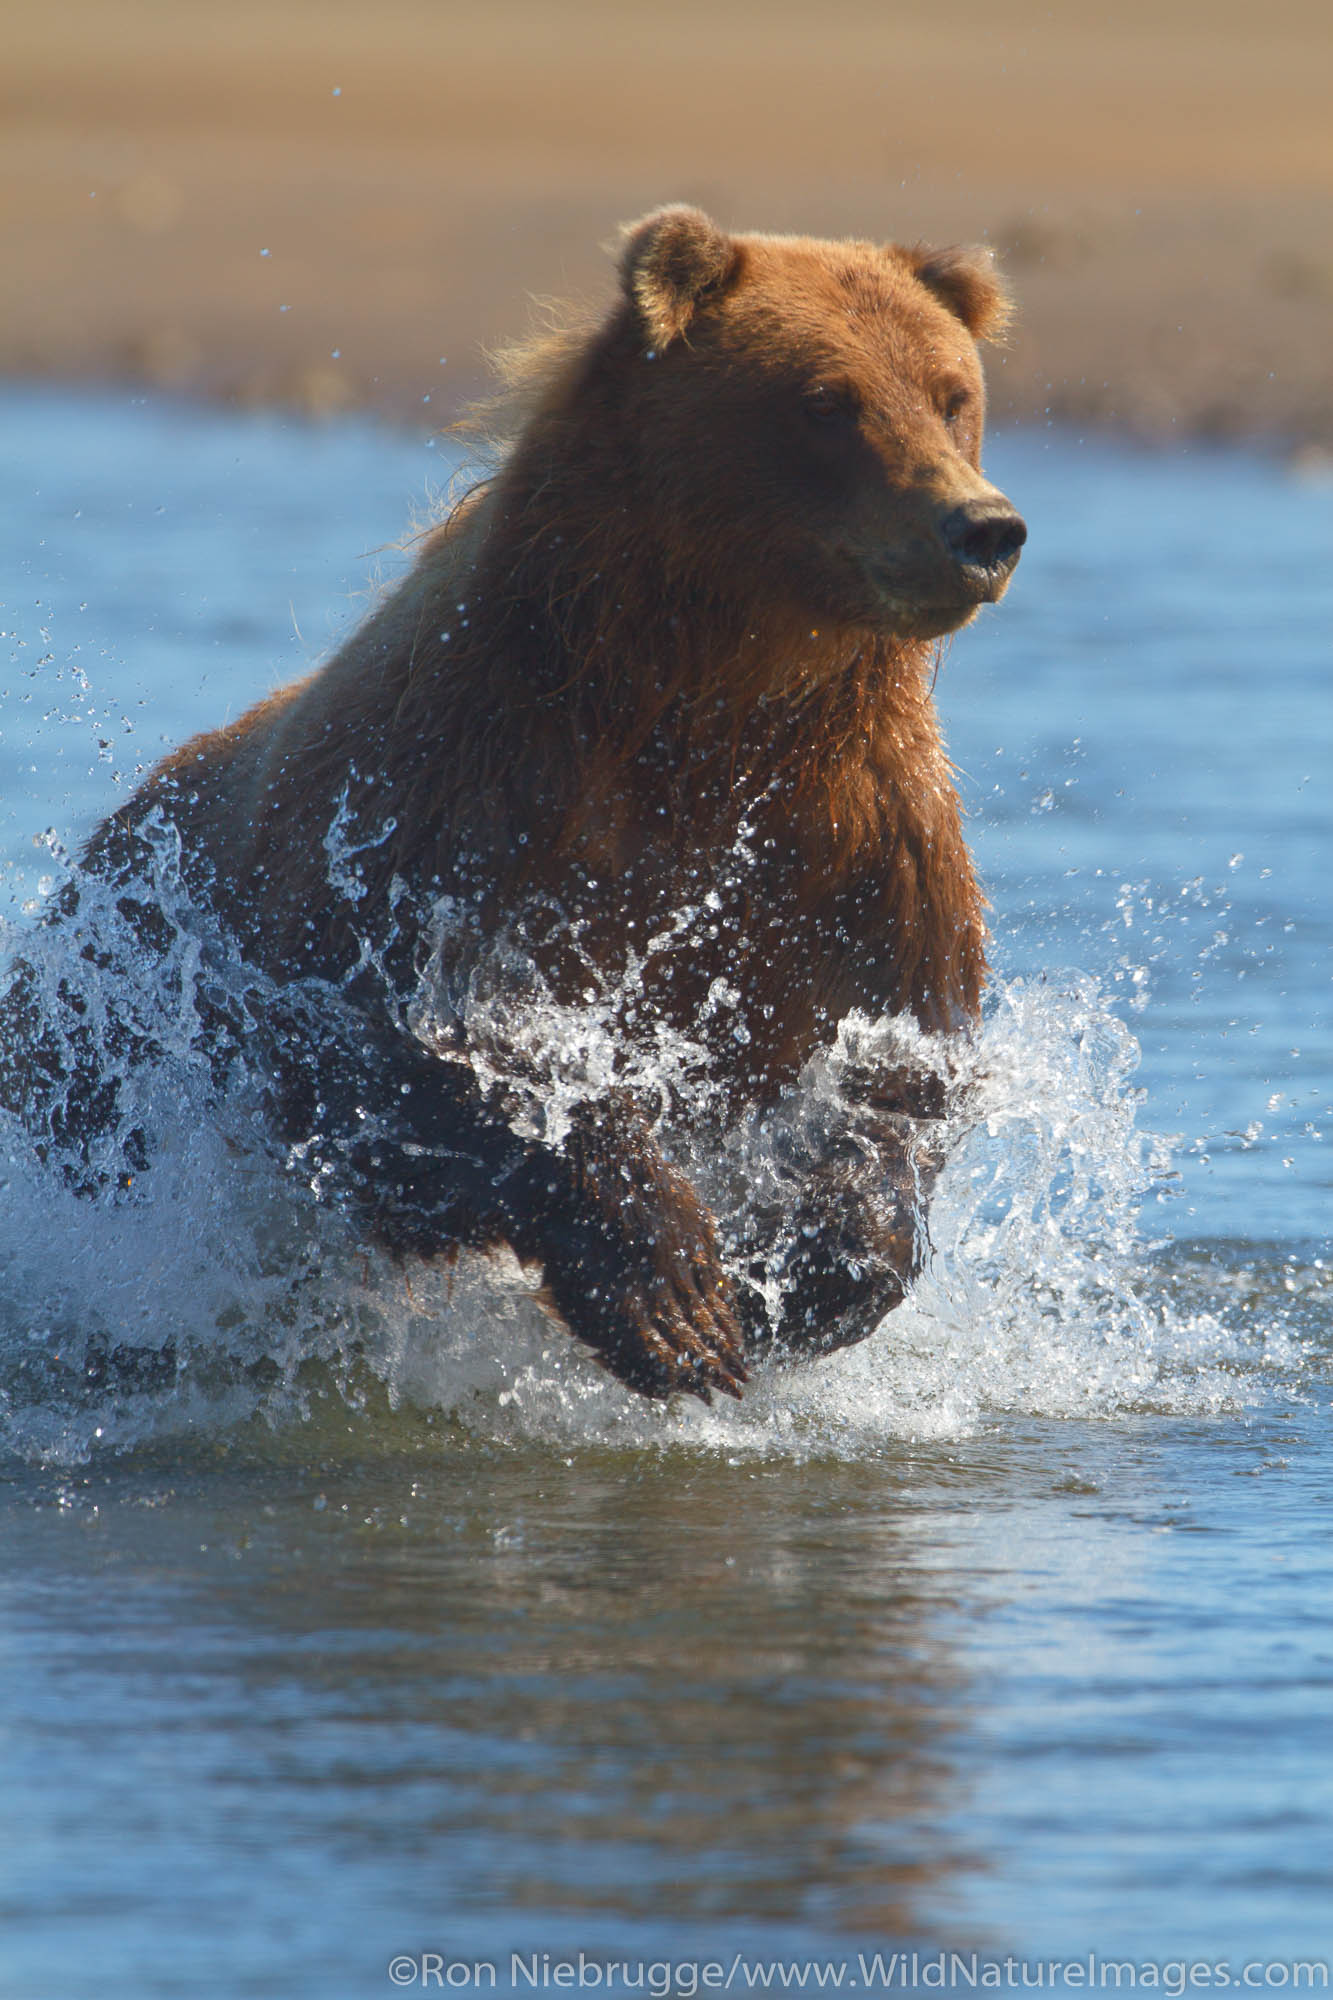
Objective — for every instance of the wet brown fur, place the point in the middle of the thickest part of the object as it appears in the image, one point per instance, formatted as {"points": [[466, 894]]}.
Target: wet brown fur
{"points": [[703, 581]]}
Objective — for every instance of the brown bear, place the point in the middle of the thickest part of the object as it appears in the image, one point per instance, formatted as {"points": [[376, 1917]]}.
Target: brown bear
{"points": [[649, 718]]}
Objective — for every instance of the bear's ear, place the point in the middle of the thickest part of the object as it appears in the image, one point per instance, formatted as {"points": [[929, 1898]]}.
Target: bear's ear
{"points": [[967, 282], [669, 260]]}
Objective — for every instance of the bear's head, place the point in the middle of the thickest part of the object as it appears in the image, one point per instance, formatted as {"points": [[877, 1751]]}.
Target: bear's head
{"points": [[806, 418]]}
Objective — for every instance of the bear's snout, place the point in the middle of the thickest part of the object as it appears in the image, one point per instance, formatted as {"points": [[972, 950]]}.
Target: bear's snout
{"points": [[984, 537]]}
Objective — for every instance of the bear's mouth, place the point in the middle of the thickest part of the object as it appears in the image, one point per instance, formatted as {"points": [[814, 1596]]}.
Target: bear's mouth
{"points": [[905, 613], [988, 581]]}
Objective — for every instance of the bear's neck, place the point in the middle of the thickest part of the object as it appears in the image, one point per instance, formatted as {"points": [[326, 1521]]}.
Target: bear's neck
{"points": [[585, 631], [588, 633]]}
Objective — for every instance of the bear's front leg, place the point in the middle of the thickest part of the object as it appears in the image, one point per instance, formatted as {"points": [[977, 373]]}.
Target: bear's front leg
{"points": [[857, 1238], [630, 1254]]}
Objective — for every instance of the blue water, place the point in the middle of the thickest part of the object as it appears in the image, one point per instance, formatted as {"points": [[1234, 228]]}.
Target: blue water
{"points": [[1007, 1632]]}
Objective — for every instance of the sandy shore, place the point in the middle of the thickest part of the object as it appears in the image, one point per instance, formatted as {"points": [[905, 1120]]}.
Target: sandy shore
{"points": [[337, 206]]}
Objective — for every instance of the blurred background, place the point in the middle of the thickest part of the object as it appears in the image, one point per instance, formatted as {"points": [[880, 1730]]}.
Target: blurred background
{"points": [[336, 205]]}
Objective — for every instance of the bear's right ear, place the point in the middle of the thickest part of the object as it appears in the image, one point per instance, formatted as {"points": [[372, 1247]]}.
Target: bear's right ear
{"points": [[669, 260]]}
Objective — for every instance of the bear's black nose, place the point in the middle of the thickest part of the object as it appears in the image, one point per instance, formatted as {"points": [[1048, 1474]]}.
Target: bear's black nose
{"points": [[984, 534]]}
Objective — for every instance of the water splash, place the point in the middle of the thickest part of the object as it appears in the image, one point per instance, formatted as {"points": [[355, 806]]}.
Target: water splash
{"points": [[216, 1289]]}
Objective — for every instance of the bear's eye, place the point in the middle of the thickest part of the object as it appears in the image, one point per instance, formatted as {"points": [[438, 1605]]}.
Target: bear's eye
{"points": [[829, 406], [954, 406]]}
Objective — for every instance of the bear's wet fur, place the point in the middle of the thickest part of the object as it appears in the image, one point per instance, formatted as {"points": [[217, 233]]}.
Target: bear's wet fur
{"points": [[659, 689]]}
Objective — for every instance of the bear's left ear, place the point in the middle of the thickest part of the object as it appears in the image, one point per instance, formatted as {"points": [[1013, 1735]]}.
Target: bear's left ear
{"points": [[967, 282], [669, 260]]}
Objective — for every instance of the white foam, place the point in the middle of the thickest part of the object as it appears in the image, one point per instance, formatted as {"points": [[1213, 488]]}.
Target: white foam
{"points": [[1040, 1296]]}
